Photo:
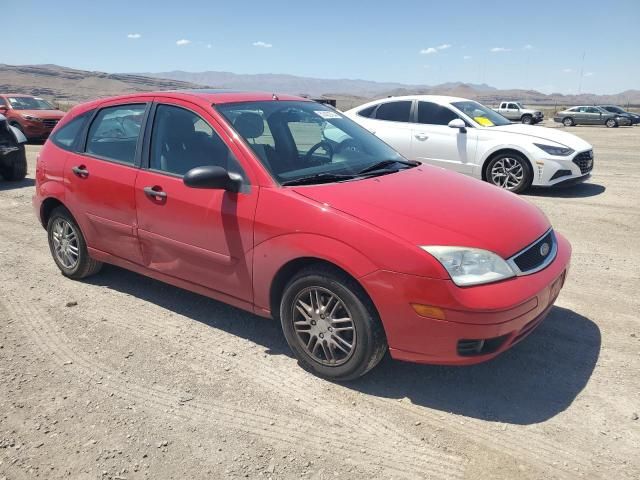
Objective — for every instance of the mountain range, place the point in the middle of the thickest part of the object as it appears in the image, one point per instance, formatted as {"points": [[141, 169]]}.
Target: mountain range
{"points": [[72, 85]]}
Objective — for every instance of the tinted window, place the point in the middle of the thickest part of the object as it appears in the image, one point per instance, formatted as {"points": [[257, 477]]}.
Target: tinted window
{"points": [[367, 112], [114, 133], [67, 135], [182, 140], [513, 106], [434, 114], [394, 111]]}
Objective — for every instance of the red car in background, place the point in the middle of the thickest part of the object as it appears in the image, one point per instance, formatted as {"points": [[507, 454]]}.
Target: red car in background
{"points": [[243, 198], [33, 116]]}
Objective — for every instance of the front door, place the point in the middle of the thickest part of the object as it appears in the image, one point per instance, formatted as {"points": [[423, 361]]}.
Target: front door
{"points": [[204, 236], [434, 142], [101, 178]]}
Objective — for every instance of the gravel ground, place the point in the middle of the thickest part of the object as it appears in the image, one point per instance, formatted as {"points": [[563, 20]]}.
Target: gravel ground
{"points": [[122, 377]]}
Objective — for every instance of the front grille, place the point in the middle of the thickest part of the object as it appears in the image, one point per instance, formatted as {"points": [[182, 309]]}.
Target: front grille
{"points": [[50, 122], [536, 256], [472, 348], [584, 161]]}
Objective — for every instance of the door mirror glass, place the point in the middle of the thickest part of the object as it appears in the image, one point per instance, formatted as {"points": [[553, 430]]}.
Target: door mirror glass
{"points": [[212, 177], [457, 123]]}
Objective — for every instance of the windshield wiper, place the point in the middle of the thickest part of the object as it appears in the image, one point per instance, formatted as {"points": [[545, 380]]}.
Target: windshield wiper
{"points": [[386, 163], [319, 178]]}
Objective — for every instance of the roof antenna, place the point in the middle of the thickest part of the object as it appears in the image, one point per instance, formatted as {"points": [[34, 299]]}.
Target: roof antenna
{"points": [[274, 96]]}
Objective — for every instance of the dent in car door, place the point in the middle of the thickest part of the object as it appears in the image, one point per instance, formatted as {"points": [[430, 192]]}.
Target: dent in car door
{"points": [[100, 180], [204, 236]]}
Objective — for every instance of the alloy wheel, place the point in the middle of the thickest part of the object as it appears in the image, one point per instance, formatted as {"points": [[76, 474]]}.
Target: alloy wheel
{"points": [[65, 243], [324, 326], [507, 173]]}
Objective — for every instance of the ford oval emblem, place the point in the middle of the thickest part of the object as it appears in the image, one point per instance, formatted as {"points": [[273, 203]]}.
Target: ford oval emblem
{"points": [[544, 249]]}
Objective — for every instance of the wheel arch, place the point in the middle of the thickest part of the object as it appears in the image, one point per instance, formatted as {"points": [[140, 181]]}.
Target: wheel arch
{"points": [[500, 151], [47, 207]]}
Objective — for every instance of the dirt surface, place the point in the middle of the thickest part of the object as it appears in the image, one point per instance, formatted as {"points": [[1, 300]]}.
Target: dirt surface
{"points": [[122, 377]]}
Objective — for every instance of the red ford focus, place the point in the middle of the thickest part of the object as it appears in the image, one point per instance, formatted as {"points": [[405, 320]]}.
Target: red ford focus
{"points": [[284, 207]]}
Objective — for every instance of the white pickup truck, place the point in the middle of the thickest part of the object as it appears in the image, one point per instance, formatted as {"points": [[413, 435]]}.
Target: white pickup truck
{"points": [[516, 112]]}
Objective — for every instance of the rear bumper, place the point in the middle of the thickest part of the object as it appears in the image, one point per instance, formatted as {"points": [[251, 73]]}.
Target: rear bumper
{"points": [[507, 311]]}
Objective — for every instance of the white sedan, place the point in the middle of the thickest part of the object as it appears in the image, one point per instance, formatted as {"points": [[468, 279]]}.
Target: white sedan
{"points": [[467, 137]]}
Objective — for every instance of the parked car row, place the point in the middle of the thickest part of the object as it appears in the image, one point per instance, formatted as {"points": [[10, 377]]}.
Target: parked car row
{"points": [[290, 209], [609, 115]]}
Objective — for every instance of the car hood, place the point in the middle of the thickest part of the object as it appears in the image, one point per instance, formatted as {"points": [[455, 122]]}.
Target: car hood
{"points": [[428, 205], [543, 133], [42, 113]]}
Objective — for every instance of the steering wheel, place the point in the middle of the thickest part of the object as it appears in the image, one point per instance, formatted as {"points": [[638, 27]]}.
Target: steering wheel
{"points": [[350, 145], [323, 144]]}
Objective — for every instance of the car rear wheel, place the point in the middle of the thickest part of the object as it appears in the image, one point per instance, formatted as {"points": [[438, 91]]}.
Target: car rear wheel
{"points": [[527, 119], [68, 246], [331, 325], [568, 122], [510, 171], [16, 168], [611, 123]]}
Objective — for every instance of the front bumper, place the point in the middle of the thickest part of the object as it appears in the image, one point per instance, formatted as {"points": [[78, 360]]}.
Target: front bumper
{"points": [[549, 170], [37, 130], [507, 311]]}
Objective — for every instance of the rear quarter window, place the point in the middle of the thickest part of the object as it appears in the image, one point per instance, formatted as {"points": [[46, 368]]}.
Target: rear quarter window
{"points": [[68, 135]]}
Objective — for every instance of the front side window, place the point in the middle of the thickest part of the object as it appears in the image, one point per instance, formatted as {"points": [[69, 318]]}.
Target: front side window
{"points": [[66, 136], [30, 103], [306, 140], [480, 114], [394, 111], [513, 106], [114, 133], [434, 114], [182, 140]]}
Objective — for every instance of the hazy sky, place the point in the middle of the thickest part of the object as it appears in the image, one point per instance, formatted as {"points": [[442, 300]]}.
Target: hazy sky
{"points": [[518, 44]]}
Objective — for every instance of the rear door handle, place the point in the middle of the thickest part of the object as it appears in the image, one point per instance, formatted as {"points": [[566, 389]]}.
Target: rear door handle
{"points": [[155, 193], [422, 137], [80, 171]]}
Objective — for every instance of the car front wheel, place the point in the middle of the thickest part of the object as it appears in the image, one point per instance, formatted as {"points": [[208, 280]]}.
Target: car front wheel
{"points": [[68, 246], [527, 119], [510, 171], [331, 325]]}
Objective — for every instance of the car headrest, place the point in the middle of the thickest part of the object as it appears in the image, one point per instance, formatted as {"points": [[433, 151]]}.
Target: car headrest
{"points": [[249, 125]]}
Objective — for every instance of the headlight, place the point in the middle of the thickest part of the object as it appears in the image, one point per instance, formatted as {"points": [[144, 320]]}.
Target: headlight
{"points": [[32, 118], [471, 266], [558, 151]]}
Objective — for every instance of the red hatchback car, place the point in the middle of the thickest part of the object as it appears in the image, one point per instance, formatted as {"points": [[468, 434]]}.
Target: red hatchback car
{"points": [[246, 198]]}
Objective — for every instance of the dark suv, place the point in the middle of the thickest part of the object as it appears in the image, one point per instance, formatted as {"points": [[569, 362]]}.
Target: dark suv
{"points": [[13, 159], [635, 118], [33, 116]]}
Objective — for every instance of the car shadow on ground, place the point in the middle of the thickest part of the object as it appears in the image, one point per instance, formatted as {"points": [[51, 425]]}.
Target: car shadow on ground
{"points": [[534, 381], [581, 190], [24, 183]]}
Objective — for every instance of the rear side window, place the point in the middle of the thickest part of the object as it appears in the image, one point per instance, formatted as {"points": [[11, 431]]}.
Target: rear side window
{"points": [[434, 114], [394, 111], [114, 133], [66, 136], [367, 112]]}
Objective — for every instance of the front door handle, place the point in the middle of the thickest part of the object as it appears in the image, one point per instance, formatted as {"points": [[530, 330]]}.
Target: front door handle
{"points": [[155, 193], [80, 171], [422, 137]]}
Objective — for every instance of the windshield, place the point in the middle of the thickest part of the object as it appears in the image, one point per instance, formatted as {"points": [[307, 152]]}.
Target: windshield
{"points": [[306, 142], [29, 103], [480, 114]]}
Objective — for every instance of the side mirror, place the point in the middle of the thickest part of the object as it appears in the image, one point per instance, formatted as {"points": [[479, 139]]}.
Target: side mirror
{"points": [[212, 177], [459, 124]]}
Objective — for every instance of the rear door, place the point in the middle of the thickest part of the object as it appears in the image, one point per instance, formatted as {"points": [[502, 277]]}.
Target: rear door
{"points": [[434, 142], [595, 116], [391, 123], [203, 236], [100, 178]]}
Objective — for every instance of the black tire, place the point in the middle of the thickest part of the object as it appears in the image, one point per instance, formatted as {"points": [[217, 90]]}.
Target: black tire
{"points": [[369, 343], [85, 265], [527, 171], [568, 122], [611, 123], [527, 119], [16, 166]]}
